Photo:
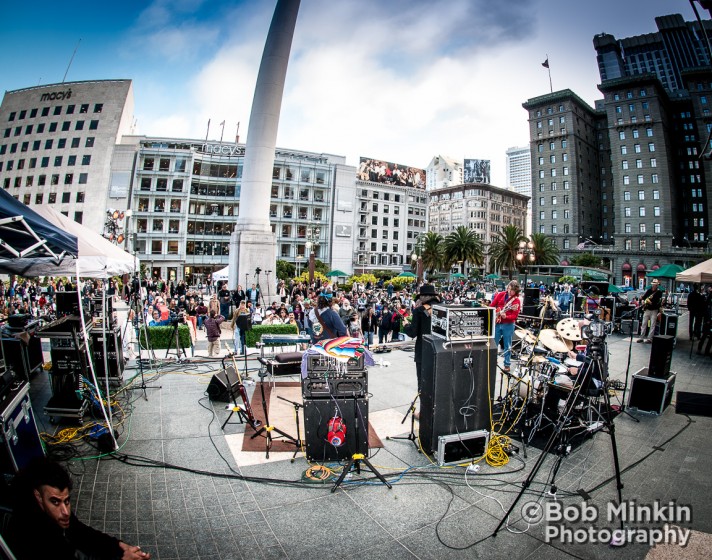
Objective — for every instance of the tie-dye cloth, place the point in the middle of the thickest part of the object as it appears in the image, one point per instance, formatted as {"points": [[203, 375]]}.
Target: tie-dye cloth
{"points": [[340, 349]]}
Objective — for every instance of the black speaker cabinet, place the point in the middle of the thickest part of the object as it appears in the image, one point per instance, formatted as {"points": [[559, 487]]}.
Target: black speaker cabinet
{"points": [[651, 394], [661, 356], [531, 296], [318, 412], [668, 324], [223, 385], [697, 404], [114, 353], [23, 359], [456, 395], [530, 310]]}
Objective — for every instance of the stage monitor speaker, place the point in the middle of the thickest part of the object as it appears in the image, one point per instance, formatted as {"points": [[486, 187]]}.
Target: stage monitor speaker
{"points": [[67, 303], [530, 310], [668, 324], [661, 356], [318, 412], [696, 404], [458, 384], [602, 287], [223, 385], [531, 296]]}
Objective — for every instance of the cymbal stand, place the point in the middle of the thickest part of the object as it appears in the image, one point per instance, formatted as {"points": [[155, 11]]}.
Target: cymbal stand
{"points": [[411, 412]]}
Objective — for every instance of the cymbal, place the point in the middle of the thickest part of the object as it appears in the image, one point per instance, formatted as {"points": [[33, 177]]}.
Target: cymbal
{"points": [[553, 341], [569, 329], [525, 335]]}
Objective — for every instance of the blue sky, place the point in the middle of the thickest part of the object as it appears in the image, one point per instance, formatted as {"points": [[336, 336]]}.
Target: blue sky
{"points": [[401, 80]]}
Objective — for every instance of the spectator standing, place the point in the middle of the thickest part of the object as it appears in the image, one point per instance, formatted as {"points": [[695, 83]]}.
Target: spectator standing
{"points": [[212, 330]]}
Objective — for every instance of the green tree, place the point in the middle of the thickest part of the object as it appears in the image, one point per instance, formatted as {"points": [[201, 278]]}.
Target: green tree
{"points": [[504, 249], [285, 270], [586, 259], [545, 250], [432, 252], [463, 246]]}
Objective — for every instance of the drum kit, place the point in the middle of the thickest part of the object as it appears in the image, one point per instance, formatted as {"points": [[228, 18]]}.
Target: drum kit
{"points": [[544, 383]]}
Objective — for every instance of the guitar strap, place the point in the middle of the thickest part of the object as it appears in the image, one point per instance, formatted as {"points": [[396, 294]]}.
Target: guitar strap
{"points": [[326, 329]]}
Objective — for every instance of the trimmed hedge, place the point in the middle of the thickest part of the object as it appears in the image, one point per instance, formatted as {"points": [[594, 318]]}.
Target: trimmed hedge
{"points": [[253, 336], [161, 338]]}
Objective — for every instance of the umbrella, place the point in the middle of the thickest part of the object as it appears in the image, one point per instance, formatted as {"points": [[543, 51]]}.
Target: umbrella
{"points": [[613, 289], [336, 273], [666, 271], [406, 275], [492, 277], [458, 275]]}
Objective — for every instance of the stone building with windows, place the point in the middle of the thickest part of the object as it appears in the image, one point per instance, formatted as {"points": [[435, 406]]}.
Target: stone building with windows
{"points": [[57, 143], [633, 169]]}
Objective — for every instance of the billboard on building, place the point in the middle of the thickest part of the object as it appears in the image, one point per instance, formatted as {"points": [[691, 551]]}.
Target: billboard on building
{"points": [[477, 171], [379, 171]]}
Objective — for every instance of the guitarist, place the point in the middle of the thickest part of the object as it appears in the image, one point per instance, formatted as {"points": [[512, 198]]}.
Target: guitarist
{"points": [[507, 305], [652, 299]]}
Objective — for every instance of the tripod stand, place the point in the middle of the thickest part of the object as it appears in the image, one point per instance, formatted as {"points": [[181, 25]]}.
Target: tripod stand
{"points": [[299, 442], [138, 314], [267, 428], [176, 338], [594, 363], [411, 436], [356, 457]]}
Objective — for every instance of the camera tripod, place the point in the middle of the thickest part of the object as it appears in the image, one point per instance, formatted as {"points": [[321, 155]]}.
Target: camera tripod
{"points": [[176, 338], [411, 436], [559, 438], [138, 316]]}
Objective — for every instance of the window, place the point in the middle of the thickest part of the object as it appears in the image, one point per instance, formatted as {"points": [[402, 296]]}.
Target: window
{"points": [[93, 125], [57, 110], [626, 212], [89, 142], [84, 108], [80, 197], [649, 132], [641, 195], [625, 164], [640, 179], [65, 126], [626, 180], [45, 111], [642, 244], [57, 161], [621, 135], [75, 143], [83, 178], [157, 225], [71, 160], [65, 197], [35, 145], [627, 228], [656, 195], [78, 217], [553, 228], [639, 164], [653, 162], [68, 178], [79, 125], [553, 215], [542, 215], [86, 159], [52, 198], [626, 195], [553, 200], [656, 211], [624, 150], [636, 133], [541, 201], [48, 144], [98, 107], [641, 211]]}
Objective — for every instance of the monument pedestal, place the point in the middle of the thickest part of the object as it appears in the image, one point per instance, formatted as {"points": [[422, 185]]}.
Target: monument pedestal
{"points": [[250, 250]]}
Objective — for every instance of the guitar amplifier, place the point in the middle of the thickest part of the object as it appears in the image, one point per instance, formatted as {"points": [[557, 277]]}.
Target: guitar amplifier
{"points": [[320, 366], [318, 412], [456, 322]]}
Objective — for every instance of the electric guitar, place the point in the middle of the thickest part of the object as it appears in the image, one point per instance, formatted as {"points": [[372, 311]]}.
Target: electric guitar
{"points": [[243, 394], [507, 307]]}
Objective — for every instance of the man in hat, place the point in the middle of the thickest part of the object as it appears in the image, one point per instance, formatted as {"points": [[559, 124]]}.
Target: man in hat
{"points": [[652, 300], [420, 325]]}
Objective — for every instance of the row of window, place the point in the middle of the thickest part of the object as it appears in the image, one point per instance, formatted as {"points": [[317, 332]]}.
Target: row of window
{"points": [[554, 186], [302, 213], [54, 179], [289, 193], [550, 110], [52, 198], [40, 128], [161, 185], [49, 143], [44, 162], [552, 172], [632, 107], [83, 108], [635, 133], [629, 94]]}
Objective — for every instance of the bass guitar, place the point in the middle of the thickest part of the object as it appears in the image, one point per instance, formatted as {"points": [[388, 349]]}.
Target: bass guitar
{"points": [[247, 409]]}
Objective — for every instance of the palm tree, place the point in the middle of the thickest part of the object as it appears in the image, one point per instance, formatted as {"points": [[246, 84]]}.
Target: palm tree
{"points": [[544, 248], [462, 246], [432, 251], [504, 249]]}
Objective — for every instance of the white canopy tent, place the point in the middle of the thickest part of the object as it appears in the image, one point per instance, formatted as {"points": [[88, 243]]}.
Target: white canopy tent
{"points": [[700, 273], [98, 257], [221, 274]]}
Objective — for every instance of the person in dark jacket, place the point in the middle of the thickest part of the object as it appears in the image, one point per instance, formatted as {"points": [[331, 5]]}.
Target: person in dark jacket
{"points": [[420, 325], [369, 322], [43, 525], [697, 306], [212, 331]]}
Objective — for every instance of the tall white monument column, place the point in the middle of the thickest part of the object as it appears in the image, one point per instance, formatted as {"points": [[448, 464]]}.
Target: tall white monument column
{"points": [[253, 245]]}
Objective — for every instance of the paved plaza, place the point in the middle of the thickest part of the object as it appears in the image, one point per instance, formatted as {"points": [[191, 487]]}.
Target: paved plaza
{"points": [[180, 487]]}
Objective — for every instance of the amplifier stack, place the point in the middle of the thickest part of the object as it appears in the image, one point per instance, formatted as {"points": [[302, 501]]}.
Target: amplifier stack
{"points": [[335, 393]]}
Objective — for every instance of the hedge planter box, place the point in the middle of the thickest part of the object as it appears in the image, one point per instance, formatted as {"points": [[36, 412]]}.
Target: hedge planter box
{"points": [[162, 338], [255, 334]]}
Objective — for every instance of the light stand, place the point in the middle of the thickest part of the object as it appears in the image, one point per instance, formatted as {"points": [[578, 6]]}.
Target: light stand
{"points": [[623, 407], [138, 313]]}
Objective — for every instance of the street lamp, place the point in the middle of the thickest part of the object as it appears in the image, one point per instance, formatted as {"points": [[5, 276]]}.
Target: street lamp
{"points": [[299, 264], [311, 245], [526, 257]]}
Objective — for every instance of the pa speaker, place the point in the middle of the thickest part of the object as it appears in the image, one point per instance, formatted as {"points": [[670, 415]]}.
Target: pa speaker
{"points": [[531, 296], [458, 384], [318, 413], [223, 385], [661, 356]]}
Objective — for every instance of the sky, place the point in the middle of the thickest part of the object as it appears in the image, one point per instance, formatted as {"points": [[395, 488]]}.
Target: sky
{"points": [[397, 80]]}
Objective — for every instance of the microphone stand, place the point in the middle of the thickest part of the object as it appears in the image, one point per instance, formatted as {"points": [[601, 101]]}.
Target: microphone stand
{"points": [[623, 407]]}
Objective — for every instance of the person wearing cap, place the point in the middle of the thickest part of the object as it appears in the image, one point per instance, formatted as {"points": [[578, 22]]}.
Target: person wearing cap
{"points": [[651, 302], [420, 325], [325, 322]]}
